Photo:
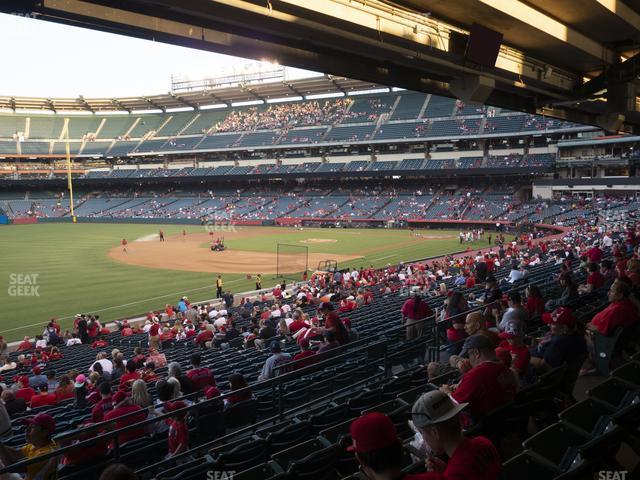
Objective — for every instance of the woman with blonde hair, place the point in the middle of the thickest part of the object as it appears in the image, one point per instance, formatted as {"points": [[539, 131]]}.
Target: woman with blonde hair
{"points": [[140, 397], [175, 383], [283, 328], [140, 394]]}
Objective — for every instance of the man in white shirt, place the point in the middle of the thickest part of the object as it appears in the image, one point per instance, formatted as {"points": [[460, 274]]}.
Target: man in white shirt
{"points": [[74, 340], [102, 359], [220, 322], [607, 241], [517, 273]]}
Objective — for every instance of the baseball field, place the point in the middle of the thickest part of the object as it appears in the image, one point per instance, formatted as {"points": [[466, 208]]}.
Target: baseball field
{"points": [[58, 270]]}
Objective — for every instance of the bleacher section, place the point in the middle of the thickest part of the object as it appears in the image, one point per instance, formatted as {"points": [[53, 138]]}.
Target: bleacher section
{"points": [[368, 109], [400, 130], [265, 204], [409, 106], [357, 133], [217, 141], [439, 107], [49, 127], [115, 126]]}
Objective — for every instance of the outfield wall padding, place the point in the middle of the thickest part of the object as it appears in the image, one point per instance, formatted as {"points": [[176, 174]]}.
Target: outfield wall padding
{"points": [[24, 220]]}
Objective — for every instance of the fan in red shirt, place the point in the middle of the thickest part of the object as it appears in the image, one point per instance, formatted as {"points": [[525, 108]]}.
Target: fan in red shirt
{"points": [[178, 436], [595, 279], [94, 451], [621, 312], [237, 382], [26, 392], [348, 304], [488, 385], [121, 407], [201, 377], [414, 310], [154, 335], [333, 323], [594, 254], [513, 342], [131, 376], [378, 449], [303, 343], [126, 331], [43, 398], [104, 405], [535, 301], [25, 345], [203, 337], [297, 324]]}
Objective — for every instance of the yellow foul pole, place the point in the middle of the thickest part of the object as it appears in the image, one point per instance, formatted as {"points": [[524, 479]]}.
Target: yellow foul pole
{"points": [[69, 182]]}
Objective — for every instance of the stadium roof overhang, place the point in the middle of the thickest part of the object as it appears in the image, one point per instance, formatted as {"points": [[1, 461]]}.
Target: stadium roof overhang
{"points": [[577, 61], [322, 85]]}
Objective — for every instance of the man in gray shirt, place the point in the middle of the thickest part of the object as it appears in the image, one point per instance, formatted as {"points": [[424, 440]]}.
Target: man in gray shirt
{"points": [[515, 313], [276, 359]]}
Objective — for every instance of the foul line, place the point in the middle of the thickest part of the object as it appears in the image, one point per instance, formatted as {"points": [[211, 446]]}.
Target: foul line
{"points": [[382, 258], [123, 305]]}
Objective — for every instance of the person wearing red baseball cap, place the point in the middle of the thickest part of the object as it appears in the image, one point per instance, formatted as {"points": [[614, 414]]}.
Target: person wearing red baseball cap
{"points": [[563, 343], [24, 391], [40, 429], [377, 448]]}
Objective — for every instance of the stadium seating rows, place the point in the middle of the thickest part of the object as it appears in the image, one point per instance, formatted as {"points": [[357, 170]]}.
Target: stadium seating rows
{"points": [[271, 204], [280, 431], [388, 117]]}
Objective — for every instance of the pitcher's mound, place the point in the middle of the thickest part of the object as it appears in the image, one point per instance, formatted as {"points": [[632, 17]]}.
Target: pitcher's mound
{"points": [[319, 240]]}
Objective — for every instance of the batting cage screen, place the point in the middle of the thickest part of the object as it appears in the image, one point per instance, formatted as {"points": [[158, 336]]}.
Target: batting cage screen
{"points": [[292, 261]]}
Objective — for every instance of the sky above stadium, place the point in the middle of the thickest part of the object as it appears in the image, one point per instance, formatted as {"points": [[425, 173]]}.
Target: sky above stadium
{"points": [[45, 59]]}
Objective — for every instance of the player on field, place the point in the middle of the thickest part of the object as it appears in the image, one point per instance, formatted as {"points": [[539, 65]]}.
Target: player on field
{"points": [[161, 236], [124, 245]]}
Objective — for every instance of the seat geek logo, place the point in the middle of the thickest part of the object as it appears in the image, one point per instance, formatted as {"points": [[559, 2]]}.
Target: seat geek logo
{"points": [[612, 475], [225, 475], [23, 285]]}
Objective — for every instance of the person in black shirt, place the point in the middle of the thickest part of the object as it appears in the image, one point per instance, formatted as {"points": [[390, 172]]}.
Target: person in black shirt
{"points": [[83, 331], [14, 406]]}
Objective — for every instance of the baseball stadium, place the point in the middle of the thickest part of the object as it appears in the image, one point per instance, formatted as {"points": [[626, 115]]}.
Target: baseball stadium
{"points": [[385, 240]]}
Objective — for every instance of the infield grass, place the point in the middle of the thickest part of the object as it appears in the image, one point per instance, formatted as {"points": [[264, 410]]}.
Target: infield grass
{"points": [[73, 273]]}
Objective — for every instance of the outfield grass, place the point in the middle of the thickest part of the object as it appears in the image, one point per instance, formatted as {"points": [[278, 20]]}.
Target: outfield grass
{"points": [[74, 274]]}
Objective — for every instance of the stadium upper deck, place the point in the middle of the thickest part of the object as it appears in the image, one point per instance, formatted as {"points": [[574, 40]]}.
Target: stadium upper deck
{"points": [[224, 123]]}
